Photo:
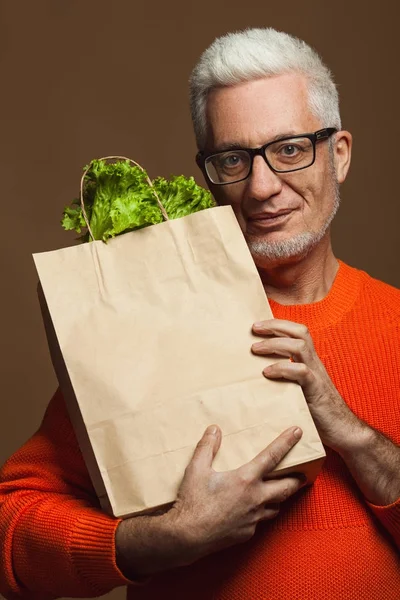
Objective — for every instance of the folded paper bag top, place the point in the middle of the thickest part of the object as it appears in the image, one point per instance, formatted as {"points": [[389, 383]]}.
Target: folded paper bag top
{"points": [[150, 337]]}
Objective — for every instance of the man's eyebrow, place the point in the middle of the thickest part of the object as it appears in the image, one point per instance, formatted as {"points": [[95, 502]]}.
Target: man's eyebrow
{"points": [[226, 146]]}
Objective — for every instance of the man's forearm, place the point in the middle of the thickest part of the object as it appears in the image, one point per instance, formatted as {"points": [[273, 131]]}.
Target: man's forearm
{"points": [[374, 462]]}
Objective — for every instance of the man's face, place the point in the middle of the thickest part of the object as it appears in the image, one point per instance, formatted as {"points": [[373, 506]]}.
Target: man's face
{"points": [[284, 215]]}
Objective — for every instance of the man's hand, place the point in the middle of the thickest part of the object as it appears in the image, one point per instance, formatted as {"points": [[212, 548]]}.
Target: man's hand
{"points": [[373, 460], [212, 511], [220, 509], [336, 423]]}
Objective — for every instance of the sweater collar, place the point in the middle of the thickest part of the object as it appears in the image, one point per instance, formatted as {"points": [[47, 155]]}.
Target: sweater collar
{"points": [[339, 301]]}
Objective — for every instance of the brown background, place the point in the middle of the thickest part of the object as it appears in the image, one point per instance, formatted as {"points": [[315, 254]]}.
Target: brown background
{"points": [[82, 79]]}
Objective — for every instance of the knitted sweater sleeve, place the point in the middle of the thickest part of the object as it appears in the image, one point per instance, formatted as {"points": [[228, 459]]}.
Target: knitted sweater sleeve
{"points": [[389, 516], [54, 538]]}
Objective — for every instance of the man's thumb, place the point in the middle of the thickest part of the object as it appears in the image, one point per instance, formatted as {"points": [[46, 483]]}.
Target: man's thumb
{"points": [[207, 447]]}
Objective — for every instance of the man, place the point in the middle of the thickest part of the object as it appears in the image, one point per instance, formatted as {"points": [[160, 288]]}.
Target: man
{"points": [[270, 143]]}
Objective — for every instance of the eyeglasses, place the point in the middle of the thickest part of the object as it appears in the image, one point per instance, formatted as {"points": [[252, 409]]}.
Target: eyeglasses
{"points": [[287, 154]]}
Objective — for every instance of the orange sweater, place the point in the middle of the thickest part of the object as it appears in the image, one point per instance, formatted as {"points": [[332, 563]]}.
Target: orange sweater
{"points": [[328, 543]]}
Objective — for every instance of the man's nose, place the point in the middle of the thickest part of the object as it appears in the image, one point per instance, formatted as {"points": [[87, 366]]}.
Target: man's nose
{"points": [[263, 182]]}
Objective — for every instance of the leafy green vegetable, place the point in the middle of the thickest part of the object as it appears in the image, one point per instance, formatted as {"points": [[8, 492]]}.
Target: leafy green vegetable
{"points": [[118, 198], [182, 196], [73, 218]]}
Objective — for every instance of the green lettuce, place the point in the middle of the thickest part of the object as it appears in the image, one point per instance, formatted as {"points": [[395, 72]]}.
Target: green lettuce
{"points": [[118, 198]]}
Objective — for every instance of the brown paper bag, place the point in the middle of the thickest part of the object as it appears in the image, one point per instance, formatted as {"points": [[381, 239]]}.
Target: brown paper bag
{"points": [[150, 338]]}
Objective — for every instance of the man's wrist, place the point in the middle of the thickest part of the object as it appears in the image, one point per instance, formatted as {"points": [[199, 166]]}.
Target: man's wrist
{"points": [[148, 545]]}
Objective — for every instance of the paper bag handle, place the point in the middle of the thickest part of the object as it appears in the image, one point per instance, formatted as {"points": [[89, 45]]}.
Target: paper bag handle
{"points": [[163, 211]]}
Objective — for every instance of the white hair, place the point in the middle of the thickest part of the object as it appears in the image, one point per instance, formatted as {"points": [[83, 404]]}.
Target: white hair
{"points": [[254, 54]]}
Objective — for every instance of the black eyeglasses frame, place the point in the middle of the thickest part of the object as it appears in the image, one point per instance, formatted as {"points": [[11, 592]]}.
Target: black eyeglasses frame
{"points": [[317, 136]]}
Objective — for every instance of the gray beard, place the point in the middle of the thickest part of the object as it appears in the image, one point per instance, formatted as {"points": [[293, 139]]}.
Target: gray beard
{"points": [[298, 246]]}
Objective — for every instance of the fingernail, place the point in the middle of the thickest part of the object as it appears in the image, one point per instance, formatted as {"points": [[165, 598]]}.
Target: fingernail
{"points": [[257, 345], [212, 430], [258, 325], [297, 433]]}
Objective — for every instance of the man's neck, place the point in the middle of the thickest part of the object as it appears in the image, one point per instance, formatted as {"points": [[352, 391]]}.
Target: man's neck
{"points": [[303, 281]]}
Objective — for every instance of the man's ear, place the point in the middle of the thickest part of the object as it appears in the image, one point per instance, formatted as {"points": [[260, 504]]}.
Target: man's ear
{"points": [[342, 154]]}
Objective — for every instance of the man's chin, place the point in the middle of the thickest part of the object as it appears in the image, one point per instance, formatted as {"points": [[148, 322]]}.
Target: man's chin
{"points": [[267, 253]]}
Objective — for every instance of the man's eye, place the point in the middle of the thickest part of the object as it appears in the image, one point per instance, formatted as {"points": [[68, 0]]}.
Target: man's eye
{"points": [[289, 150], [232, 160]]}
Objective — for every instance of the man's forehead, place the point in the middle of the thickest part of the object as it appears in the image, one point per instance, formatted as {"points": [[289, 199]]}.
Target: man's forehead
{"points": [[259, 111]]}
